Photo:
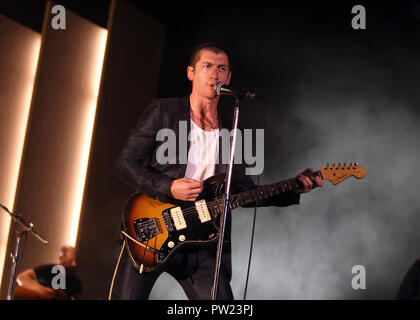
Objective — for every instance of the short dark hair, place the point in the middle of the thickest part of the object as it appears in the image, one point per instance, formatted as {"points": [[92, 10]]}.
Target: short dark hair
{"points": [[211, 46]]}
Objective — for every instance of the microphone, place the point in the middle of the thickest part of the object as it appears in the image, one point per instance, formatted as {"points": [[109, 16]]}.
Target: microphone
{"points": [[221, 89]]}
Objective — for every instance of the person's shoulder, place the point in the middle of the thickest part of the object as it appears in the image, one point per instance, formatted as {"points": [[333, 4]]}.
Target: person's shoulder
{"points": [[172, 100], [167, 107], [45, 266], [169, 103], [73, 276]]}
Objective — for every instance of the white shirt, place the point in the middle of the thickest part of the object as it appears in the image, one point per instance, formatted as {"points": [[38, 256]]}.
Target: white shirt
{"points": [[203, 152]]}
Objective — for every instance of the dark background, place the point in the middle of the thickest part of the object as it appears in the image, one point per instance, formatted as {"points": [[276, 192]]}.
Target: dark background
{"points": [[334, 95]]}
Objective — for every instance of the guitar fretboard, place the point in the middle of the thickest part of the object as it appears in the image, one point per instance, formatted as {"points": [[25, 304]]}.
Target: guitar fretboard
{"points": [[261, 193]]}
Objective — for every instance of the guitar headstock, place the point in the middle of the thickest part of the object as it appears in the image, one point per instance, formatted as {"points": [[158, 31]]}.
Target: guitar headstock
{"points": [[340, 172]]}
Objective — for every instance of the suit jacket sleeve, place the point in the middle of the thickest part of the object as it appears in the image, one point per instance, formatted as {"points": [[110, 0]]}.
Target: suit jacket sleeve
{"points": [[131, 165]]}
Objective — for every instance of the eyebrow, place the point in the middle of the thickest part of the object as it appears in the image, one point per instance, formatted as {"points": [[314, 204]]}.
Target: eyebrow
{"points": [[210, 63]]}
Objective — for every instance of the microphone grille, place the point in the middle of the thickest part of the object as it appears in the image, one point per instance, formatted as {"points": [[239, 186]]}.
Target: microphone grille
{"points": [[217, 87]]}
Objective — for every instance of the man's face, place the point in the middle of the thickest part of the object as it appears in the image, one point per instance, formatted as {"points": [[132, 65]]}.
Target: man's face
{"points": [[211, 68], [68, 260]]}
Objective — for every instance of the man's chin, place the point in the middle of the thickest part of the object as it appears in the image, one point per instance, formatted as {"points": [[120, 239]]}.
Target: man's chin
{"points": [[212, 96]]}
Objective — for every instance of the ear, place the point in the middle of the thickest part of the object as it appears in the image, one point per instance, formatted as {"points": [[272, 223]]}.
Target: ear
{"points": [[190, 73]]}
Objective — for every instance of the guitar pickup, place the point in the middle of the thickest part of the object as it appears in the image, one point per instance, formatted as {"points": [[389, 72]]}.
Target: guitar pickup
{"points": [[178, 217], [202, 210]]}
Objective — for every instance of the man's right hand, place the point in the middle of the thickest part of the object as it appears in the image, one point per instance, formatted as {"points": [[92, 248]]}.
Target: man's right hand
{"points": [[186, 189]]}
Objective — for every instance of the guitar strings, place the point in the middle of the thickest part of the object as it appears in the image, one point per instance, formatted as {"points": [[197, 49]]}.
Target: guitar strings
{"points": [[192, 210], [218, 202]]}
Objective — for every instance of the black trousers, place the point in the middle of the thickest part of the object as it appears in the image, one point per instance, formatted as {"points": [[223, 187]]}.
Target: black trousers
{"points": [[194, 271], [410, 287]]}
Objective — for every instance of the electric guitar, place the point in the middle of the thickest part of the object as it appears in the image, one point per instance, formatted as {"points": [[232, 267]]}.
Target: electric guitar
{"points": [[154, 230]]}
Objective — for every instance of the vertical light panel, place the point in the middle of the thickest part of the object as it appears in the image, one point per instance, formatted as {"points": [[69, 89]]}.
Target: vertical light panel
{"points": [[58, 139], [95, 72], [19, 53], [134, 51]]}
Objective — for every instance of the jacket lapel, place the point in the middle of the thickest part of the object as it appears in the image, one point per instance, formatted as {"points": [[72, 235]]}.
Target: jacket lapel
{"points": [[220, 166], [182, 120]]}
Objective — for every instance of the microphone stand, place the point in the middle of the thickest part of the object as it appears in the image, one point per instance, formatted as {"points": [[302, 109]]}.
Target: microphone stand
{"points": [[27, 228], [226, 201]]}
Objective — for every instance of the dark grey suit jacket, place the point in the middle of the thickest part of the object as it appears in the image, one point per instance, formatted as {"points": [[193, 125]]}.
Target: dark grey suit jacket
{"points": [[137, 163]]}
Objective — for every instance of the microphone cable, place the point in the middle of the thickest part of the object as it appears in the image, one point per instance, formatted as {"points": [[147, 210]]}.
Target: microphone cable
{"points": [[255, 209]]}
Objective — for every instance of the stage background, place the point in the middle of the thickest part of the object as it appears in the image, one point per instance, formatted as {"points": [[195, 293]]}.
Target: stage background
{"points": [[334, 94]]}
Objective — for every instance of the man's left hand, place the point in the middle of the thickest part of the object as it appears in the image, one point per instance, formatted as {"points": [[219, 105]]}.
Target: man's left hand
{"points": [[308, 183]]}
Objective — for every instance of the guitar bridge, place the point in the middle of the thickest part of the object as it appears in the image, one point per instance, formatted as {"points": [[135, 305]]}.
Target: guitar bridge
{"points": [[146, 228]]}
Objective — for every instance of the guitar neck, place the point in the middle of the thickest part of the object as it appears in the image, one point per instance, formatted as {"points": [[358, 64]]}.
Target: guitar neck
{"points": [[266, 191]]}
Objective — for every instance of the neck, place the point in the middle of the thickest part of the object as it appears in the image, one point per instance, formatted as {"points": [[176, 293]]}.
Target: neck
{"points": [[206, 108], [204, 111]]}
